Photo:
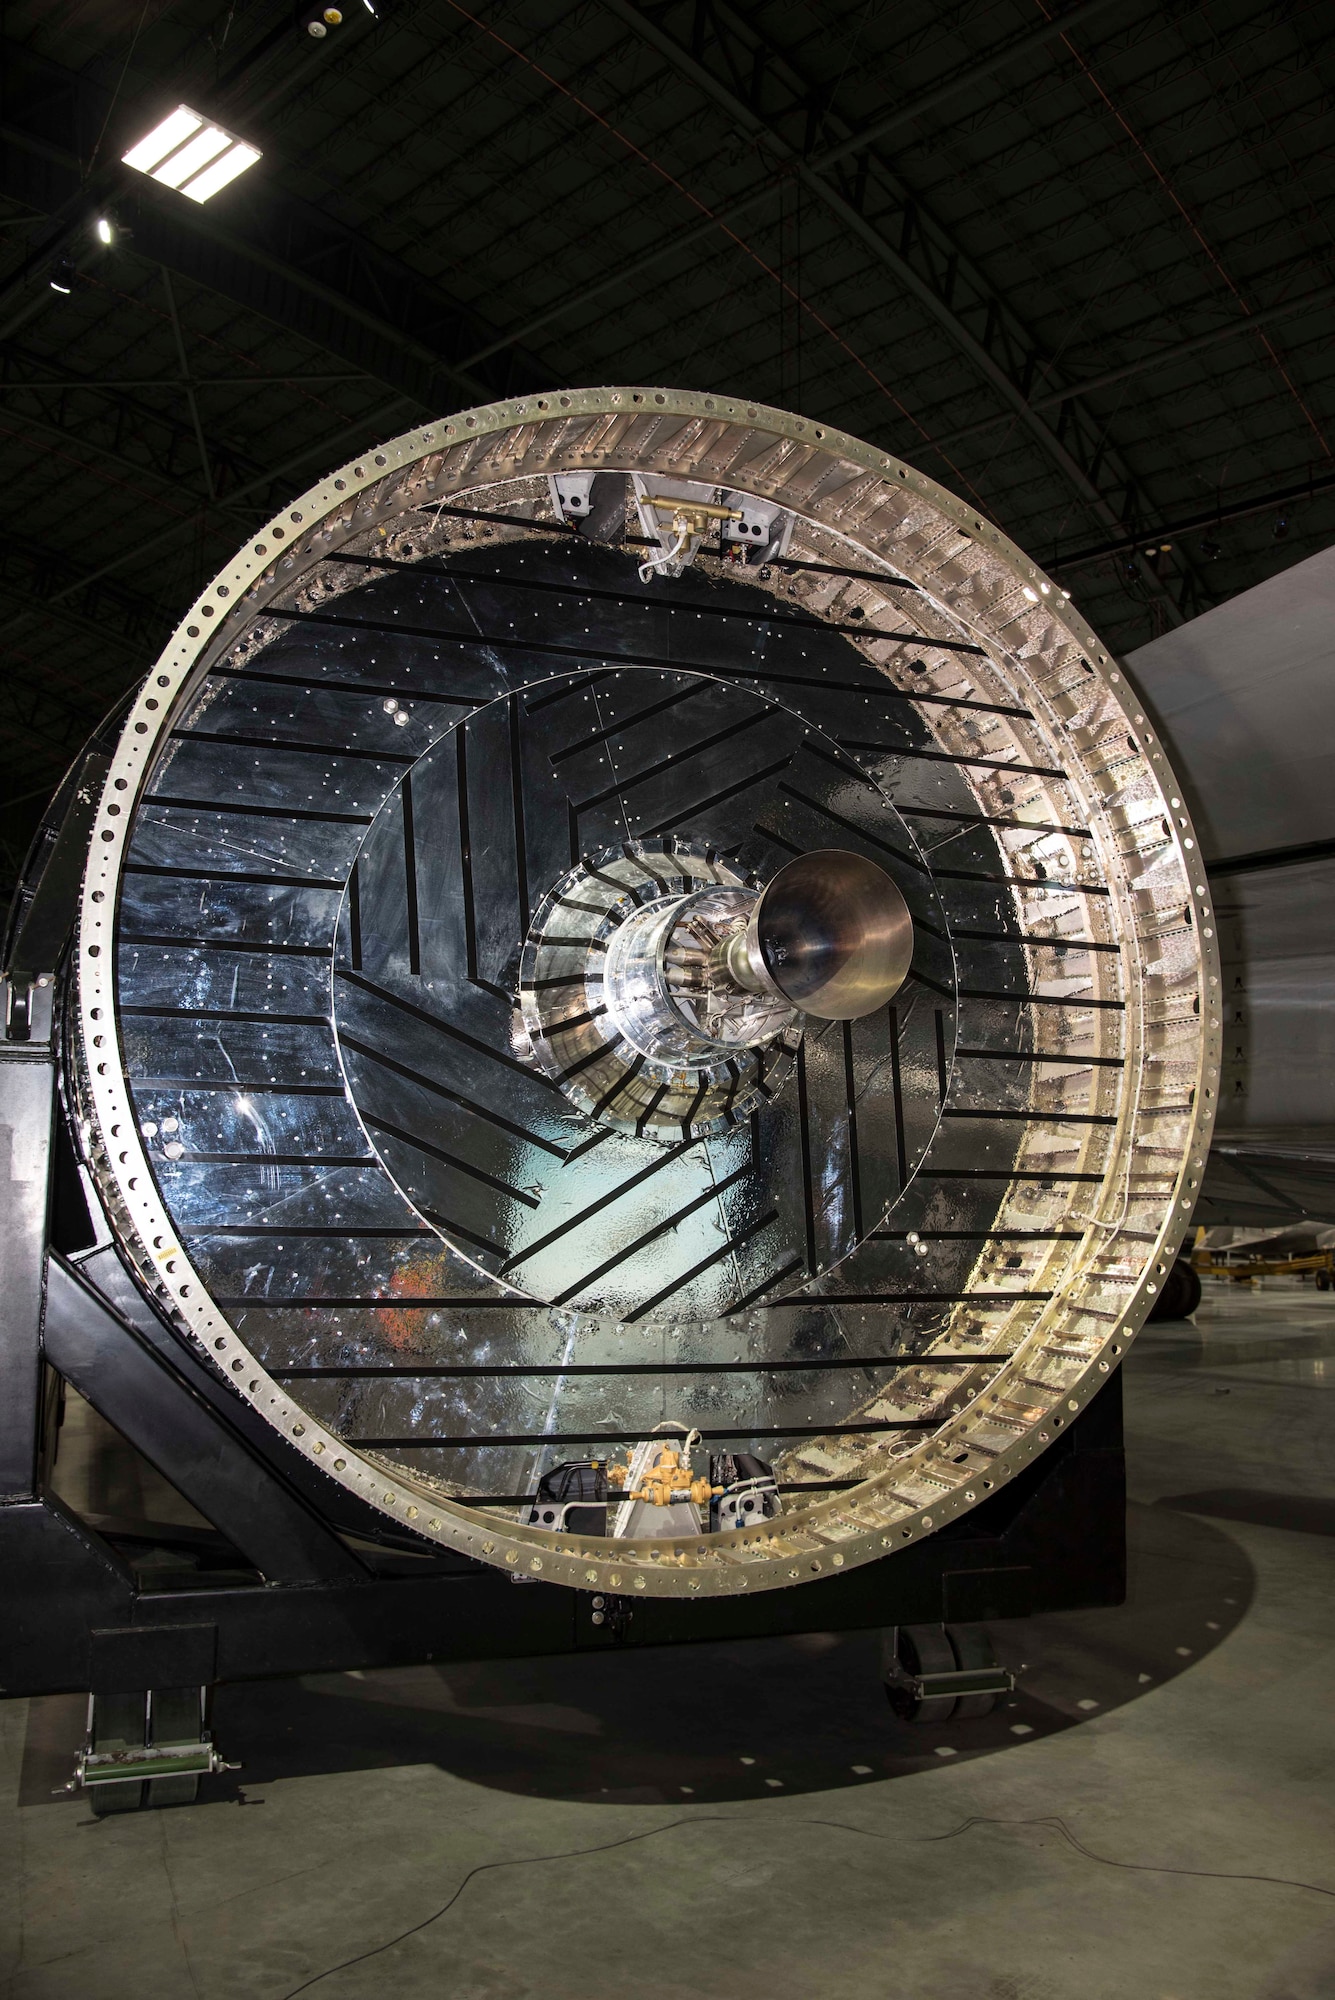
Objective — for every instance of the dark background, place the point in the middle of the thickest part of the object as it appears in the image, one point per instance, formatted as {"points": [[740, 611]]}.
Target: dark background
{"points": [[1084, 277]]}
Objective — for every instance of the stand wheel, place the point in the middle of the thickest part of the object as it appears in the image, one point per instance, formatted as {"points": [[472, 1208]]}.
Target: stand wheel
{"points": [[922, 1649], [1179, 1295], [108, 1799], [176, 1791], [972, 1648], [123, 1722], [1324, 1281]]}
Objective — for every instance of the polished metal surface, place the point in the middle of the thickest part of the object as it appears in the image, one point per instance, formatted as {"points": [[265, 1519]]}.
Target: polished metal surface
{"points": [[669, 988], [349, 1080], [832, 934], [658, 1045], [1243, 695]]}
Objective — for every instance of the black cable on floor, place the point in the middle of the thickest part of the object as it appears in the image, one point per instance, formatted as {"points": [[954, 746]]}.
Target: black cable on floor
{"points": [[1141, 1867], [840, 1826], [517, 1861]]}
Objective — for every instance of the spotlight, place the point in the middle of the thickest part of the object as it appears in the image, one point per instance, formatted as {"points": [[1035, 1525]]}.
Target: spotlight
{"points": [[188, 153], [317, 21], [62, 276], [104, 230]]}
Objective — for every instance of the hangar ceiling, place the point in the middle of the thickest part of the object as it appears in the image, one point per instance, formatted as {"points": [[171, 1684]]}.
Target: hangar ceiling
{"points": [[1075, 263]]}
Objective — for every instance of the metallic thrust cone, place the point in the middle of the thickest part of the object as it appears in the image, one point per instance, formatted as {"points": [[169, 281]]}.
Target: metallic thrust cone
{"points": [[831, 934]]}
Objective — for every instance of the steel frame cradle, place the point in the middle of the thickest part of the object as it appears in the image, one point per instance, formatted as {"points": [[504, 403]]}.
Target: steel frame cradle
{"points": [[297, 1576]]}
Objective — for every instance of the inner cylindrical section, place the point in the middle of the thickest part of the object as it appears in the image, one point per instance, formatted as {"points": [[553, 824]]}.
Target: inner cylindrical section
{"points": [[668, 987]]}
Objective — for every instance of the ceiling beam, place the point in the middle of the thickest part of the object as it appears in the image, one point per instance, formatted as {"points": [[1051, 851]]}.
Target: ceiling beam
{"points": [[68, 620], [175, 382], [975, 71], [966, 76], [1225, 510], [1162, 357], [79, 431], [114, 632], [192, 400], [32, 711], [47, 580], [139, 435], [932, 278], [271, 252], [327, 451], [103, 178]]}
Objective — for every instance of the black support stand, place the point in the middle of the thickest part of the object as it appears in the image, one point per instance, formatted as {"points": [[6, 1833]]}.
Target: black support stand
{"points": [[296, 1577]]}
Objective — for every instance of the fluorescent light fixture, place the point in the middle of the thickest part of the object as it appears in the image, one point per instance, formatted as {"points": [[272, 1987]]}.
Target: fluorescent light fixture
{"points": [[190, 154], [163, 139], [179, 166], [224, 169]]}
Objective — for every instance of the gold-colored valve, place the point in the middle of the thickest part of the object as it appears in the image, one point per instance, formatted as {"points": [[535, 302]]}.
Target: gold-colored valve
{"points": [[669, 1482], [692, 517]]}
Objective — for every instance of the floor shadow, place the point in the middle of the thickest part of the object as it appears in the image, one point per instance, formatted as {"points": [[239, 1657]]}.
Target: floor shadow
{"points": [[712, 1722], [1300, 1513]]}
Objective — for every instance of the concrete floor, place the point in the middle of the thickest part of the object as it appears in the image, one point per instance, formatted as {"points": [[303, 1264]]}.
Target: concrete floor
{"points": [[1150, 1819]]}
